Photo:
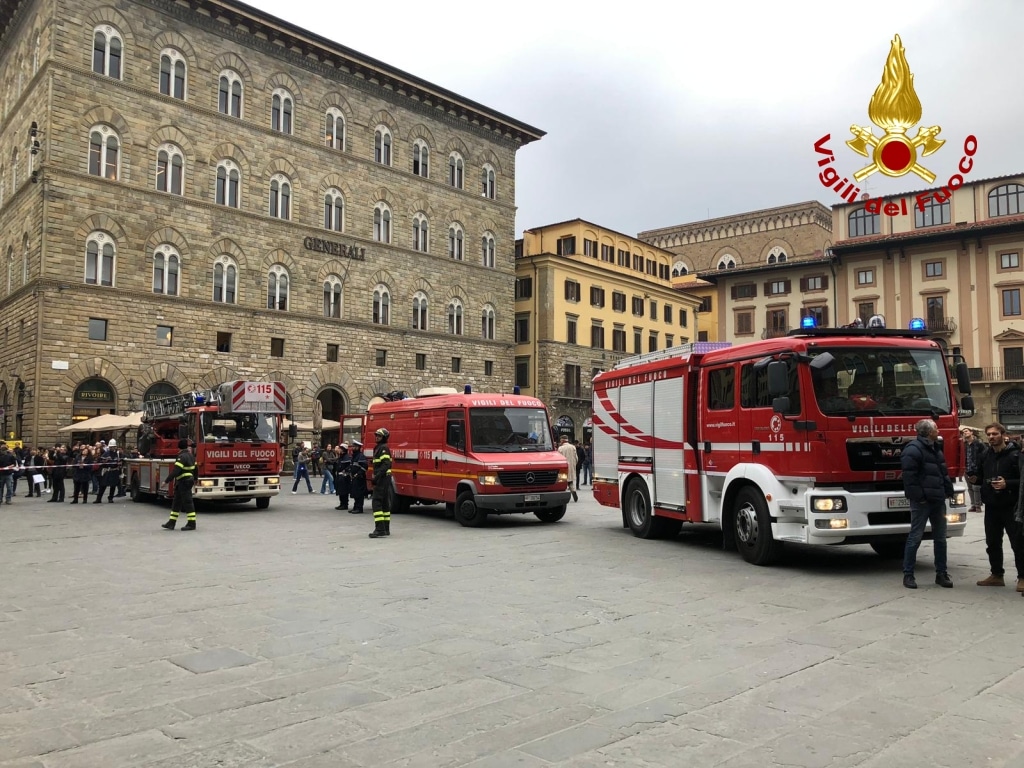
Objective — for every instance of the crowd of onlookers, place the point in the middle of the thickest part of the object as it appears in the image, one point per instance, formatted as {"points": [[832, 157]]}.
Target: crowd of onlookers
{"points": [[94, 469]]}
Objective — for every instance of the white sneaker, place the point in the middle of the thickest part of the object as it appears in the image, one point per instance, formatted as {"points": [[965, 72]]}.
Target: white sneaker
{"points": [[294, 491]]}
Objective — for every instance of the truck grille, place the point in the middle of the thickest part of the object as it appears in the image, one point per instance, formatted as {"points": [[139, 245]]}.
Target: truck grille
{"points": [[894, 517], [528, 478], [875, 454]]}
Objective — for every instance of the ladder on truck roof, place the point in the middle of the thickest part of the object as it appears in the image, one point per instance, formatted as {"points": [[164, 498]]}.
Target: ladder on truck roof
{"points": [[176, 405], [682, 351]]}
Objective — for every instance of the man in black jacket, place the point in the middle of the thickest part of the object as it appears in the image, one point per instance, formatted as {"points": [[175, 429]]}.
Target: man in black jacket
{"points": [[927, 485], [998, 473]]}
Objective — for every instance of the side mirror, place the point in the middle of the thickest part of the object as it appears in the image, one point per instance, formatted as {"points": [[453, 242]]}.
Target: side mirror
{"points": [[183, 431], [967, 405], [780, 404], [293, 431], [778, 378], [963, 379], [823, 362]]}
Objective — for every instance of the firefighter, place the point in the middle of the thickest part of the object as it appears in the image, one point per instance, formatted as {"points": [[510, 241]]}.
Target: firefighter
{"points": [[183, 474], [341, 477], [357, 475], [381, 479]]}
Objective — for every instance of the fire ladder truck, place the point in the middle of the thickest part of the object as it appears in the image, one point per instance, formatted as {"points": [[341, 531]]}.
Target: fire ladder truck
{"points": [[235, 432]]}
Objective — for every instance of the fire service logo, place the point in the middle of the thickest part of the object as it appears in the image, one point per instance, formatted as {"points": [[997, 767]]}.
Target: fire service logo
{"points": [[896, 110]]}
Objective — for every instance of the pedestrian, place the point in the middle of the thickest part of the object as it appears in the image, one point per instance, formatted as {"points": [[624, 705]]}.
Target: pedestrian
{"points": [[60, 461], [927, 485], [342, 483], [381, 481], [998, 474], [302, 471], [588, 466], [8, 463], [581, 459], [973, 448], [314, 461], [82, 474], [569, 452], [328, 461], [183, 475], [111, 462], [357, 477]]}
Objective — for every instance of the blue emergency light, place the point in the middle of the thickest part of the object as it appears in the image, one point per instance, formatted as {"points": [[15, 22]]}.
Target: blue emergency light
{"points": [[917, 324], [808, 322], [468, 389], [515, 390]]}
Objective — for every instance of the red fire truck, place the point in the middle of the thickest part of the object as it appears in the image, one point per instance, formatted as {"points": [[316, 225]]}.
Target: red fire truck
{"points": [[478, 453], [791, 439], [236, 429]]}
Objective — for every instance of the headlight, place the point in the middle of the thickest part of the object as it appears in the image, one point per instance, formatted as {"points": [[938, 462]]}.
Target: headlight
{"points": [[273, 480], [833, 523], [487, 479], [960, 499], [829, 504], [956, 517], [207, 483], [563, 477]]}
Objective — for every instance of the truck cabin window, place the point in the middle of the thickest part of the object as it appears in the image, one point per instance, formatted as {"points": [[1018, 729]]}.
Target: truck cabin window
{"points": [[237, 428], [509, 429], [893, 381], [754, 388]]}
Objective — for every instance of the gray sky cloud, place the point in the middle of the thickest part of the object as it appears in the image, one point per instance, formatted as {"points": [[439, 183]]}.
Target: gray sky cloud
{"points": [[658, 115]]}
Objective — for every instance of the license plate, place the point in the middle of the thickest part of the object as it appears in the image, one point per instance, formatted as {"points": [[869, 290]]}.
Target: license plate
{"points": [[899, 502], [531, 497]]}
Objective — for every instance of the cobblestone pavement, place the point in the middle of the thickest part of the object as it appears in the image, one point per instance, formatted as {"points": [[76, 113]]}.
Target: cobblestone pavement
{"points": [[287, 637]]}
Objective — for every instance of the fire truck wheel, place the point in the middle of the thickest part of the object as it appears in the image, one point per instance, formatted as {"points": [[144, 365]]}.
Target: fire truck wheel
{"points": [[552, 515], [133, 490], [890, 550], [262, 502], [640, 516], [467, 512], [753, 528], [397, 503]]}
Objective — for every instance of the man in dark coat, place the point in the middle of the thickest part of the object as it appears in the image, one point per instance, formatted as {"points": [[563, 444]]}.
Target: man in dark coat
{"points": [[60, 465], [927, 485], [357, 476], [998, 474], [341, 478]]}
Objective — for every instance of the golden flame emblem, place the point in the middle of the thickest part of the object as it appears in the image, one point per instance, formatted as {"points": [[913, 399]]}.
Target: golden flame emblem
{"points": [[895, 108]]}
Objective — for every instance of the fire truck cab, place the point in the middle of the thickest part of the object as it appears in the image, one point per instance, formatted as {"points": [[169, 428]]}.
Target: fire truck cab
{"points": [[792, 439], [235, 430], [478, 453]]}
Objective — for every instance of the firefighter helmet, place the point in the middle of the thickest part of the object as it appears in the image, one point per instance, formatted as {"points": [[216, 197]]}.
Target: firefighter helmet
{"points": [[382, 434]]}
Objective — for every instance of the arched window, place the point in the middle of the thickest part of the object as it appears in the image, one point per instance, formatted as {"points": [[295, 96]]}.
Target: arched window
{"points": [[334, 210], [487, 322], [225, 280], [487, 179], [679, 269], [931, 213], [455, 238], [861, 223], [24, 259], [107, 50], [382, 145], [487, 250], [166, 263], [229, 100], [170, 169], [1006, 200], [381, 305], [14, 170], [229, 178], [332, 297], [776, 255], [277, 288], [727, 262], [455, 317], [172, 73], [421, 158], [419, 311], [104, 152], [382, 223], [334, 132], [455, 170], [100, 254], [281, 109], [35, 52], [420, 233], [280, 196]]}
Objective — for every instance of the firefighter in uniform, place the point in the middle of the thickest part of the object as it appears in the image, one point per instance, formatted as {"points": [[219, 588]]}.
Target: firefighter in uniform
{"points": [[183, 474], [381, 480]]}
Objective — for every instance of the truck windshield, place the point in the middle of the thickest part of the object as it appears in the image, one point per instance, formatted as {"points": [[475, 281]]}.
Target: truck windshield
{"points": [[870, 381], [238, 428], [509, 429]]}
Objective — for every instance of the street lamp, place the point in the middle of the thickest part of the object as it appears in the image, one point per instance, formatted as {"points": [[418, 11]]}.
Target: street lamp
{"points": [[132, 405]]}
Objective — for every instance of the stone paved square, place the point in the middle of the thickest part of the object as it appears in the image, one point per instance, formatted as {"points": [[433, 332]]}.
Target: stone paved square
{"points": [[286, 637]]}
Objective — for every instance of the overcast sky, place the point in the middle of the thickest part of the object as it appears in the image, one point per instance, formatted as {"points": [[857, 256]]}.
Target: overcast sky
{"points": [[659, 113]]}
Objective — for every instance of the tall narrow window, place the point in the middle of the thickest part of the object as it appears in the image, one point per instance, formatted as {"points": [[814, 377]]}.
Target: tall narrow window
{"points": [[228, 180], [381, 305], [281, 108], [280, 197], [99, 259], [334, 133], [106, 52], [166, 262], [332, 297], [277, 288], [455, 238], [455, 170], [172, 73], [487, 249], [334, 210], [230, 95], [104, 152], [487, 182], [382, 145], [421, 158], [455, 317], [225, 280], [382, 223], [419, 311], [420, 233], [170, 169], [487, 322]]}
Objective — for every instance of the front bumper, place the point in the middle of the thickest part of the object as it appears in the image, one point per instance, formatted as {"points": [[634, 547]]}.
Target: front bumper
{"points": [[509, 503], [247, 486]]}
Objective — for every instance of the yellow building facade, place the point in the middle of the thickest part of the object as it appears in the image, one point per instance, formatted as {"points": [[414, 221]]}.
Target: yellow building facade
{"points": [[587, 296]]}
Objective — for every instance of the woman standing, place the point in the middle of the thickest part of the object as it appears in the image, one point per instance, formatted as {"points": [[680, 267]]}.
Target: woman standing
{"points": [[302, 470]]}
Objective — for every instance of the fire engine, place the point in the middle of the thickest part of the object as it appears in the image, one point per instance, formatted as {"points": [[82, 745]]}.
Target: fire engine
{"points": [[479, 453], [236, 431], [791, 439]]}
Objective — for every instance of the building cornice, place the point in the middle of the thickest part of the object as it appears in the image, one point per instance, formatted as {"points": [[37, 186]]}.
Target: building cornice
{"points": [[715, 275], [753, 222], [963, 232]]}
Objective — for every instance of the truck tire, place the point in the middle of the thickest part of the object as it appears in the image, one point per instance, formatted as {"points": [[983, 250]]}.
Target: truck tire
{"points": [[262, 502], [397, 503], [134, 491], [752, 526], [552, 515], [636, 502], [467, 512], [890, 550]]}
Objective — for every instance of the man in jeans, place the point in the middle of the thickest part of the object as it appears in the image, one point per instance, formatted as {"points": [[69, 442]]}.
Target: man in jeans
{"points": [[998, 473], [8, 462], [927, 485]]}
